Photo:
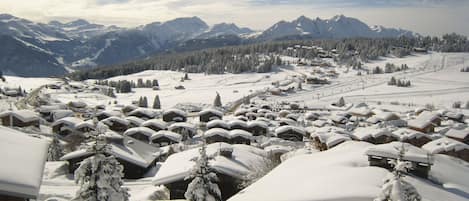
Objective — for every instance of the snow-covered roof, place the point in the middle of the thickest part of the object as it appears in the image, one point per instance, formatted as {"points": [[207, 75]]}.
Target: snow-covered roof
{"points": [[211, 110], [336, 139], [240, 133], [362, 133], [287, 128], [386, 116], [85, 124], [243, 160], [343, 173], [237, 122], [287, 121], [457, 134], [71, 122], [185, 125], [257, 123], [77, 104], [133, 151], [22, 163], [405, 133], [423, 120], [23, 115], [240, 112], [444, 144], [50, 108], [111, 120], [109, 113], [362, 111], [168, 134], [319, 123], [176, 111], [151, 113], [142, 130], [155, 123], [217, 123], [135, 120], [391, 150], [59, 114], [277, 149], [217, 131]]}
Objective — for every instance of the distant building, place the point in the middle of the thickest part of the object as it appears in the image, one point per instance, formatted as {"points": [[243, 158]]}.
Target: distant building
{"points": [[20, 118]]}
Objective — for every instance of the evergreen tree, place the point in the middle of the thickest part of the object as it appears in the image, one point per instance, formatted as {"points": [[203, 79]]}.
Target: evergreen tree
{"points": [[203, 186], [156, 102], [217, 101], [145, 102], [55, 150], [392, 81], [100, 176], [341, 102], [186, 76]]}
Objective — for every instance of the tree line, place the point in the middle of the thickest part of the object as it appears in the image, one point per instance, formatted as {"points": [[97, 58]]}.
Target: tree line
{"points": [[261, 57]]}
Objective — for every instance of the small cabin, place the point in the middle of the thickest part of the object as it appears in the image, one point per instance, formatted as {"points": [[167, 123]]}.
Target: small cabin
{"points": [[129, 108], [448, 146], [144, 113], [136, 157], [425, 122], [217, 135], [66, 126], [217, 123], [155, 124], [258, 128], [134, 121], [291, 133], [374, 135], [164, 138], [116, 124], [107, 113], [412, 137], [459, 135], [238, 124], [238, 136], [140, 133], [187, 130], [20, 118], [174, 170], [174, 115], [420, 159], [209, 115]]}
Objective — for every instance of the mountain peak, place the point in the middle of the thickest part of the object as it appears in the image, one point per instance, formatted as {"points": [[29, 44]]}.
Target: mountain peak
{"points": [[78, 22], [6, 16]]}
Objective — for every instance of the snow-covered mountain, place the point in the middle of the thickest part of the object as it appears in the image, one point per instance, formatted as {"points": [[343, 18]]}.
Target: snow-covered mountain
{"points": [[225, 29], [81, 44], [81, 28], [338, 26]]}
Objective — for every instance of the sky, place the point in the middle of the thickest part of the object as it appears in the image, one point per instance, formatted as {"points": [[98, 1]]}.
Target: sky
{"points": [[427, 17]]}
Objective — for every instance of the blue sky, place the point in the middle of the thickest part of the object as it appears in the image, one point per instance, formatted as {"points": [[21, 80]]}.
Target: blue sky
{"points": [[429, 17]]}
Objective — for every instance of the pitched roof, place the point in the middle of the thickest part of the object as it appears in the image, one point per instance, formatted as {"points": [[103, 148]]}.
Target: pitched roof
{"points": [[244, 159], [23, 115], [21, 171]]}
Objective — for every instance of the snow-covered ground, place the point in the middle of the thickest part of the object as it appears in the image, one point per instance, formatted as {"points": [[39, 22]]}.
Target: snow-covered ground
{"points": [[436, 79]]}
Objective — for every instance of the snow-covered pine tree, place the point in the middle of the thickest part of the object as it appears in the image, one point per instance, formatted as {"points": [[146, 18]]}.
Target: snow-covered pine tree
{"points": [[394, 187], [217, 101], [100, 176], [145, 102], [55, 150], [341, 102], [203, 186], [156, 102]]}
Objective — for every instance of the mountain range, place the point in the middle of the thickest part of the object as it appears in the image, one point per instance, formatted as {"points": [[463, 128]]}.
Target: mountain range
{"points": [[54, 48]]}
